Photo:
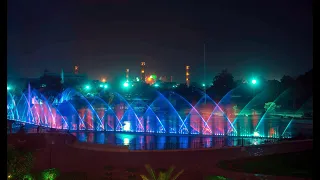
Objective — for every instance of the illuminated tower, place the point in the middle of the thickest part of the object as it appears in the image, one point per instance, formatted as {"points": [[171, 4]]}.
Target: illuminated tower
{"points": [[187, 76], [76, 69], [127, 75], [142, 72]]}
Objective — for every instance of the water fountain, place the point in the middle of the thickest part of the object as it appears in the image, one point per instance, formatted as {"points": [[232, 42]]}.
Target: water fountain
{"points": [[168, 114]]}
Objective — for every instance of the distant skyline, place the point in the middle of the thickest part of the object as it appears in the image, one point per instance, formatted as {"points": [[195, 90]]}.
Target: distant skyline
{"points": [[268, 38]]}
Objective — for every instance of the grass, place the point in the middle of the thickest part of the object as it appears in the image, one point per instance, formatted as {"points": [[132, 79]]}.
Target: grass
{"points": [[297, 164]]}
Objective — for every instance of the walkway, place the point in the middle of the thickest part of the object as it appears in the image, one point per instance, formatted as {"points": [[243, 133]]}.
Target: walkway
{"points": [[196, 164]]}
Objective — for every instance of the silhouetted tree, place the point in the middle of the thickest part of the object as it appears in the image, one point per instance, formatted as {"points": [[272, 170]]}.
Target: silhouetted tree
{"points": [[191, 93], [287, 81], [222, 83], [303, 88], [50, 85]]}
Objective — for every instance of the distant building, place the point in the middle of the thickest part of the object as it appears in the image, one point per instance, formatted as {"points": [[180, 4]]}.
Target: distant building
{"points": [[142, 71], [187, 76], [69, 79]]}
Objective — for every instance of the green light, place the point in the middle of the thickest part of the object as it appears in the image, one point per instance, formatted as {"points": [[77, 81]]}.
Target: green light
{"points": [[101, 85], [28, 177], [126, 84], [105, 86], [50, 174], [153, 76], [203, 85], [87, 87], [256, 134], [174, 86], [254, 81], [137, 79], [9, 88], [156, 85]]}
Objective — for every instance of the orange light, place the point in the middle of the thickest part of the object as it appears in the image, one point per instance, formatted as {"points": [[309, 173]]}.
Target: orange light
{"points": [[187, 79], [187, 67], [142, 71], [103, 80], [187, 74]]}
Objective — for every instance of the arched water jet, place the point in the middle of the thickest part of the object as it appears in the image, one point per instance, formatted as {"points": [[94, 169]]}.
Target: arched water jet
{"points": [[290, 122], [193, 108], [253, 121], [169, 103], [263, 116], [145, 118], [112, 113], [224, 115], [100, 126], [140, 126], [176, 106], [218, 106]]}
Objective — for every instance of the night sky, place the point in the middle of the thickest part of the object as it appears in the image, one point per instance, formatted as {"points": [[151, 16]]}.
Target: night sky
{"points": [[104, 37]]}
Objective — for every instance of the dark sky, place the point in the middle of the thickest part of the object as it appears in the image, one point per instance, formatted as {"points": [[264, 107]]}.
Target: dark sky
{"points": [[104, 37]]}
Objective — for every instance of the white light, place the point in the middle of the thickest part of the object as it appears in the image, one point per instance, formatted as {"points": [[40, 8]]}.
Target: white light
{"points": [[126, 126], [126, 141], [256, 134]]}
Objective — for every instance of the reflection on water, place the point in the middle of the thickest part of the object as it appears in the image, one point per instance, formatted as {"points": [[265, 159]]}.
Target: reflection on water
{"points": [[162, 142]]}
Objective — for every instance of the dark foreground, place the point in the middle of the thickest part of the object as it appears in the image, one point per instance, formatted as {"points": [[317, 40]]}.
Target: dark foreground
{"points": [[56, 151], [296, 164]]}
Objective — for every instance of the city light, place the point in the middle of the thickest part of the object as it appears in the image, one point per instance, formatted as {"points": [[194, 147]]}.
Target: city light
{"points": [[105, 86], [254, 81], [101, 85], [256, 134], [203, 85], [156, 85], [87, 87], [127, 126], [9, 87], [137, 79], [126, 141], [126, 84], [103, 80]]}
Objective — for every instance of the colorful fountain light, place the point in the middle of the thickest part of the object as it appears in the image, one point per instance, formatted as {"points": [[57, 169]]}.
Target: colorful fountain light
{"points": [[171, 114]]}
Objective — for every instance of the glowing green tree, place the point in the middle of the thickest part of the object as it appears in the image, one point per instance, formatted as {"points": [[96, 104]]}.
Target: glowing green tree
{"points": [[50, 174], [271, 107], [162, 175], [19, 163]]}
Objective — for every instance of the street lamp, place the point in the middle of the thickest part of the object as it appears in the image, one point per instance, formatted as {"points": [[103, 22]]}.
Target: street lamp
{"points": [[126, 84], [9, 87], [253, 81]]}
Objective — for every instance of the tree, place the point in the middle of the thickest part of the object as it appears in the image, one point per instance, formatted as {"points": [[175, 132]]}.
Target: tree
{"points": [[287, 81], [271, 107], [162, 175], [19, 163], [222, 83]]}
